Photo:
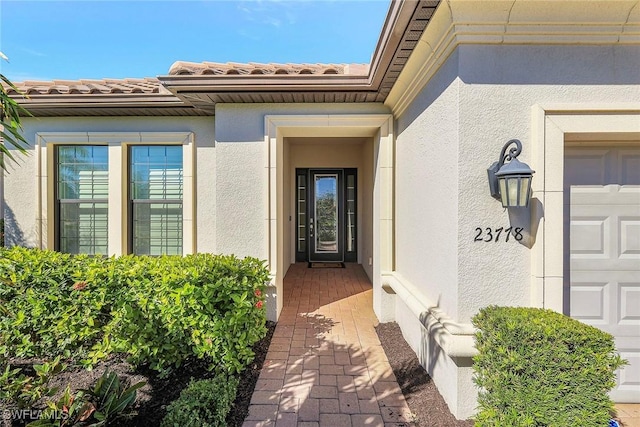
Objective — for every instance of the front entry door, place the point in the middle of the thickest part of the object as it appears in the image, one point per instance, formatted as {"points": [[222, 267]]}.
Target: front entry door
{"points": [[326, 215], [326, 207]]}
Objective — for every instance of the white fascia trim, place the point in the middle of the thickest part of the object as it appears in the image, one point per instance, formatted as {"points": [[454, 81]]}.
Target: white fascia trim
{"points": [[455, 339], [515, 22]]}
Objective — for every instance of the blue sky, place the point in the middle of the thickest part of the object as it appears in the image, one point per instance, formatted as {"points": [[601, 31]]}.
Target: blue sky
{"points": [[47, 40]]}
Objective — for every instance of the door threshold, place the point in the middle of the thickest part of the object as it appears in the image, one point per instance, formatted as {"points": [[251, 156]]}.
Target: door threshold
{"points": [[326, 264]]}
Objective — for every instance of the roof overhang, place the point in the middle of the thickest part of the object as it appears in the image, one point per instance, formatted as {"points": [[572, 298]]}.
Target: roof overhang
{"points": [[197, 95], [47, 105], [403, 27]]}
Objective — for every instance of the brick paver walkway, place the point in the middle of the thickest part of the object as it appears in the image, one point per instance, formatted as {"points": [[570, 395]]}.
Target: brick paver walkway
{"points": [[325, 365]]}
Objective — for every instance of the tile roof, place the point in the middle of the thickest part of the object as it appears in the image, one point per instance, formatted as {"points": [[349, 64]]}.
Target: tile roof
{"points": [[145, 86], [233, 68]]}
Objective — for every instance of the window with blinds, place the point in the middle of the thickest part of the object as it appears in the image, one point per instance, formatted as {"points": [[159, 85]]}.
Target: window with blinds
{"points": [[155, 196], [82, 191]]}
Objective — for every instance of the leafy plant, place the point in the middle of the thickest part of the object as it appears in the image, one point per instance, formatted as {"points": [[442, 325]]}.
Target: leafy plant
{"points": [[69, 410], [157, 310], [10, 123], [540, 368], [24, 390], [111, 398], [203, 403]]}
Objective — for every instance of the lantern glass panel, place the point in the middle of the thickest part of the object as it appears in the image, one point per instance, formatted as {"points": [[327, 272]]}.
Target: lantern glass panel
{"points": [[503, 190], [525, 184], [510, 192]]}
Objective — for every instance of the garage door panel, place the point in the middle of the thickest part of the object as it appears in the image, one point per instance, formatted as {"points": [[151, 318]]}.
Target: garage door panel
{"points": [[629, 230], [629, 303], [628, 377], [602, 219], [605, 195], [589, 166], [604, 237], [590, 302], [588, 237]]}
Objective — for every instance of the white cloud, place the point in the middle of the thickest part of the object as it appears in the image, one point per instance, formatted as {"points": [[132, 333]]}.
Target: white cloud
{"points": [[22, 76], [270, 12], [32, 52]]}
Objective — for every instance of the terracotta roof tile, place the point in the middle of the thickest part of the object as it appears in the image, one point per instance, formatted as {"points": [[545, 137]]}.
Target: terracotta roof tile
{"points": [[231, 68], [90, 87]]}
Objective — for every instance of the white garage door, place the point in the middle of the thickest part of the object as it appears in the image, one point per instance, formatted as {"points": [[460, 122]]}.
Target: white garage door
{"points": [[602, 188]]}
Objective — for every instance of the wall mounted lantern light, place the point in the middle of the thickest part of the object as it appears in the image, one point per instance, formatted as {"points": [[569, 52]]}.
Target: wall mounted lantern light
{"points": [[511, 182]]}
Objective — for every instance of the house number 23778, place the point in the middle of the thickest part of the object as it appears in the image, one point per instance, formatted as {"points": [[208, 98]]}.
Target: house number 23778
{"points": [[489, 234]]}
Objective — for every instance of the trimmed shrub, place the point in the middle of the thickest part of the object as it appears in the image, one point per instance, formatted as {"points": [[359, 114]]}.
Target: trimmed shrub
{"points": [[157, 310], [199, 305], [537, 367], [203, 403], [54, 304]]}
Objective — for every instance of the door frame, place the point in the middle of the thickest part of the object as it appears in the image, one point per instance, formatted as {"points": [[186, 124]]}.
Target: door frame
{"points": [[377, 126], [347, 205]]}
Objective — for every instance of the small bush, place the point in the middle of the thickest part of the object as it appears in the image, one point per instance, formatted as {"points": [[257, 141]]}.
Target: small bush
{"points": [[157, 310], [203, 403], [540, 368]]}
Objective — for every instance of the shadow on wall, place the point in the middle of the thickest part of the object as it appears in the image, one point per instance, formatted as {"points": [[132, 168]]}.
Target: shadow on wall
{"points": [[528, 219], [13, 235]]}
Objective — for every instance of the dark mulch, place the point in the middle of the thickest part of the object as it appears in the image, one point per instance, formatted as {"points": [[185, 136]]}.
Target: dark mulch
{"points": [[249, 379], [424, 400], [158, 393], [422, 396]]}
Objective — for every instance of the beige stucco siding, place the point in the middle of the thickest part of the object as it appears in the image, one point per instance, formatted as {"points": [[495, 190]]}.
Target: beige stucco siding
{"points": [[242, 168], [426, 191], [447, 137], [500, 84], [453, 131]]}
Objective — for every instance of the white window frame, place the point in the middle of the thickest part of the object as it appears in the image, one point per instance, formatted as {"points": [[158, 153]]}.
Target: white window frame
{"points": [[118, 143]]}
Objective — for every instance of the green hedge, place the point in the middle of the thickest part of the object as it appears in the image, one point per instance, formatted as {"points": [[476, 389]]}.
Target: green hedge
{"points": [[204, 403], [540, 368], [158, 310]]}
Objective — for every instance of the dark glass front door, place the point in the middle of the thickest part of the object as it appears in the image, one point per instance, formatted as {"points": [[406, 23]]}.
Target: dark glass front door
{"points": [[325, 215]]}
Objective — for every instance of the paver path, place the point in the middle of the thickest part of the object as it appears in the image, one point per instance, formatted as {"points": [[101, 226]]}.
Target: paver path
{"points": [[629, 414], [325, 365]]}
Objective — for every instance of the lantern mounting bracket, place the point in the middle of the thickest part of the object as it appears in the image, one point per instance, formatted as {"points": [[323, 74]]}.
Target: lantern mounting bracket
{"points": [[513, 153], [511, 182]]}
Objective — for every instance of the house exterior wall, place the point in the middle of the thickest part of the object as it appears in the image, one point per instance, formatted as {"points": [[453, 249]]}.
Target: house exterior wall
{"points": [[241, 175], [501, 85], [426, 189], [23, 209], [251, 173], [451, 132]]}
